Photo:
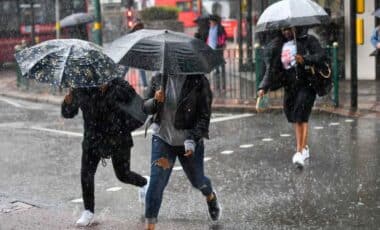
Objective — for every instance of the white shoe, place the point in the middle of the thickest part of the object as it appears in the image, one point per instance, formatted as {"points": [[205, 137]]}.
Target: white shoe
{"points": [[305, 152], [85, 219], [143, 190], [298, 159]]}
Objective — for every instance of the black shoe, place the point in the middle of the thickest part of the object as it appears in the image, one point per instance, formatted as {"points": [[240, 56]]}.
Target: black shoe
{"points": [[214, 209]]}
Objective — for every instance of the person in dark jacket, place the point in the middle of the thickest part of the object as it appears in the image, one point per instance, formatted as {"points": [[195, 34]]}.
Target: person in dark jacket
{"points": [[217, 38], [288, 64], [181, 118], [203, 27], [107, 133]]}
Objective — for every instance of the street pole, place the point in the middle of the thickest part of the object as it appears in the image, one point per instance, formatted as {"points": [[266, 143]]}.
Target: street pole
{"points": [[249, 35], [354, 56], [57, 19], [240, 37], [98, 23], [33, 33], [199, 2]]}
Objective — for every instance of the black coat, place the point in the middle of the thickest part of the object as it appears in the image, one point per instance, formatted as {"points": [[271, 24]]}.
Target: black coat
{"points": [[194, 106], [307, 46], [106, 126]]}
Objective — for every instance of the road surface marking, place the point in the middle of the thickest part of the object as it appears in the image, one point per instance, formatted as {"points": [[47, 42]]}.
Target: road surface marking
{"points": [[113, 189], [349, 120], [246, 146], [207, 159], [227, 152], [267, 139], [11, 102], [79, 200], [58, 131], [318, 127], [285, 135], [140, 132], [334, 124]]}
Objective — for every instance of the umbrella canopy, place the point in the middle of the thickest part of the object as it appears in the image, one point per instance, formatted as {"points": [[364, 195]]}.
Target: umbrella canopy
{"points": [[376, 13], [68, 63], [165, 51], [291, 13], [76, 19]]}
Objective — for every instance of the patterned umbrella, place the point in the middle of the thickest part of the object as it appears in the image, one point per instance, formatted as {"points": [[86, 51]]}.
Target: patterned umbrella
{"points": [[68, 63], [291, 13]]}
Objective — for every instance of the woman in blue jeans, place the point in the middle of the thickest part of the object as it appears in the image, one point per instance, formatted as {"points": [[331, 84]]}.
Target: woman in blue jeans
{"points": [[181, 118]]}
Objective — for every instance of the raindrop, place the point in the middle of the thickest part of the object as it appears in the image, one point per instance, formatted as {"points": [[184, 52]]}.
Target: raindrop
{"points": [[113, 189], [285, 135], [267, 139], [334, 124], [318, 127], [227, 152], [207, 159], [79, 200], [177, 168], [246, 146]]}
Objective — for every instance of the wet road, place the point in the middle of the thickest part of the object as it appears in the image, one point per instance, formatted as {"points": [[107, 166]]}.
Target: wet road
{"points": [[248, 159]]}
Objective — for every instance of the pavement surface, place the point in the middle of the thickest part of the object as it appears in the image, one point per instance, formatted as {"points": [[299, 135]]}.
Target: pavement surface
{"points": [[248, 159]]}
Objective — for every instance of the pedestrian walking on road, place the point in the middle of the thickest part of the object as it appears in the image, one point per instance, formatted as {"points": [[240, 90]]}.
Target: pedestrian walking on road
{"points": [[288, 65], [217, 39], [107, 133], [181, 118]]}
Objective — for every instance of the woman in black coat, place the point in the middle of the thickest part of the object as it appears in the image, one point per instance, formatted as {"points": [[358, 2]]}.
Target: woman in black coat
{"points": [[288, 64]]}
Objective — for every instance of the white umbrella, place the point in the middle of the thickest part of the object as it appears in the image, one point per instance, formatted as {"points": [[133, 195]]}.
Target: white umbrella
{"points": [[291, 13]]}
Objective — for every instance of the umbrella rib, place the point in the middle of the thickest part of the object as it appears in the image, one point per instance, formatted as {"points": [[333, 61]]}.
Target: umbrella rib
{"points": [[63, 65]]}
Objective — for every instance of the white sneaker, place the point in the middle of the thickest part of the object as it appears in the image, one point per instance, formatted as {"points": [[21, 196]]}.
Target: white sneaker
{"points": [[305, 152], [143, 190], [85, 219], [298, 159]]}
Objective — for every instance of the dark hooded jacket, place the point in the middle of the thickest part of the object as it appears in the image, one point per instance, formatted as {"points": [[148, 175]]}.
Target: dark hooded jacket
{"points": [[193, 109], [307, 46], [106, 126]]}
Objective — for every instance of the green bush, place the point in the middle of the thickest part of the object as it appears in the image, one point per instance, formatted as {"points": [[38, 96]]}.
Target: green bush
{"points": [[159, 13]]}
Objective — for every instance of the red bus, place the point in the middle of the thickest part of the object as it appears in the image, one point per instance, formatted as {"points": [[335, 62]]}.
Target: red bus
{"points": [[16, 22], [188, 10]]}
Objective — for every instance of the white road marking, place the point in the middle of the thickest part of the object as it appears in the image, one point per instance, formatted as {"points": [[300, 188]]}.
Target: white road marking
{"points": [[79, 200], [11, 102], [227, 152], [349, 120], [58, 131], [207, 159], [140, 132], [334, 124], [318, 127], [113, 189], [267, 139], [177, 168], [246, 146], [285, 135]]}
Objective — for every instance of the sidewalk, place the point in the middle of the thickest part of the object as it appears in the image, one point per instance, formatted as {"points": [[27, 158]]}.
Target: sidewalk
{"points": [[368, 97]]}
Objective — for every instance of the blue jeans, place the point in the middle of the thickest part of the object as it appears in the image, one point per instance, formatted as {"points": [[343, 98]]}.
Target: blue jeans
{"points": [[159, 175]]}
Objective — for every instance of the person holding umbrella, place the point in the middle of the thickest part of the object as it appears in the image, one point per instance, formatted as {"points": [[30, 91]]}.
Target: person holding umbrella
{"points": [[181, 120], [107, 133], [291, 58]]}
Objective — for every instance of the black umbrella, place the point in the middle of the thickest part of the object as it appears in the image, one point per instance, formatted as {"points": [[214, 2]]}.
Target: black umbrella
{"points": [[76, 19], [165, 51], [291, 13], [68, 63]]}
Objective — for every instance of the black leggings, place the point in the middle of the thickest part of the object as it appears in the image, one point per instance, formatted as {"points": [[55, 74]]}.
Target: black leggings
{"points": [[121, 165]]}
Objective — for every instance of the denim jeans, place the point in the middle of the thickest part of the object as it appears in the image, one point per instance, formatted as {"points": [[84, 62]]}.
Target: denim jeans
{"points": [[159, 175]]}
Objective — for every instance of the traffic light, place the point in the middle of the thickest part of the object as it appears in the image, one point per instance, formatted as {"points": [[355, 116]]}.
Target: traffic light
{"points": [[129, 16]]}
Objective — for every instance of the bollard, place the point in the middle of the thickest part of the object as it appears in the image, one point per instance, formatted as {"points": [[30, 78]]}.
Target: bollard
{"points": [[258, 65], [335, 72]]}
